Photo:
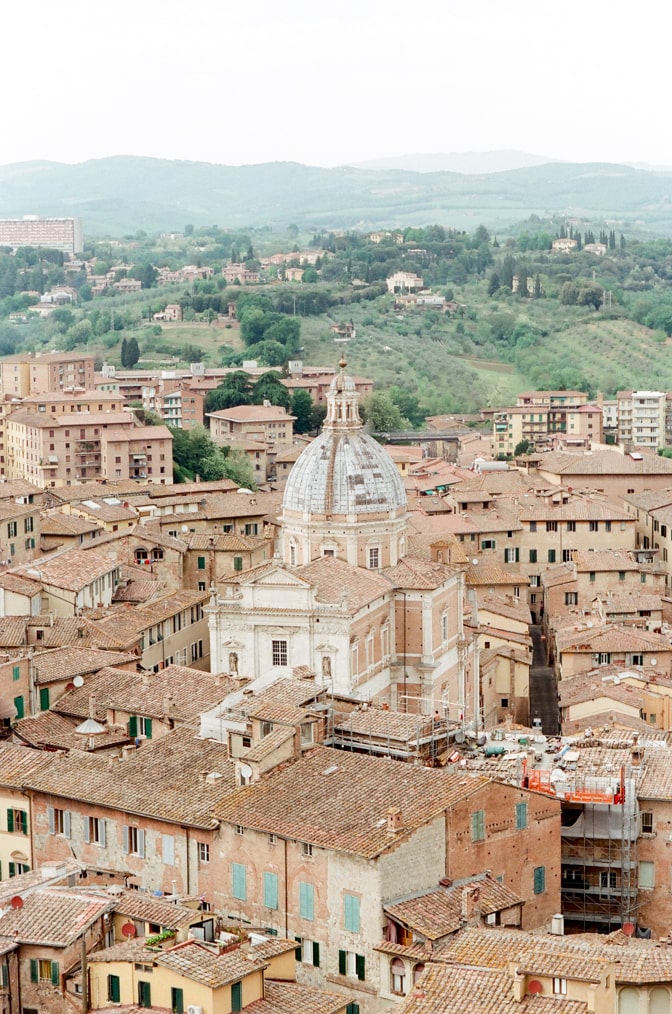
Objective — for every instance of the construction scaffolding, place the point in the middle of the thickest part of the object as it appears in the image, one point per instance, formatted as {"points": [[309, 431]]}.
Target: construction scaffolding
{"points": [[600, 830]]}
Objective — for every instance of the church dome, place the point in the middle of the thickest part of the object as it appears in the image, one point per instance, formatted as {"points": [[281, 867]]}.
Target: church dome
{"points": [[344, 470]]}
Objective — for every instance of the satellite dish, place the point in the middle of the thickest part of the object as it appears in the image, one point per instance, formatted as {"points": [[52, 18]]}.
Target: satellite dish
{"points": [[185, 528], [534, 987], [69, 686], [475, 562], [652, 661], [628, 927], [245, 771], [128, 930], [17, 901], [78, 681]]}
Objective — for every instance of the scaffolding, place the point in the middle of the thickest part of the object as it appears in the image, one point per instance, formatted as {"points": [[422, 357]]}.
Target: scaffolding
{"points": [[600, 830]]}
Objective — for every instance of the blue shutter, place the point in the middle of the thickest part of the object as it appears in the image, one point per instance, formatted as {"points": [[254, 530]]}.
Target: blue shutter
{"points": [[239, 878], [539, 879], [271, 890], [306, 900], [351, 912]]}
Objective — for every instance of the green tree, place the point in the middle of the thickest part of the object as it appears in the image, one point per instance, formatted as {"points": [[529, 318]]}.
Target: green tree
{"points": [[124, 353], [408, 405], [269, 388], [132, 352], [523, 447], [382, 415], [493, 283], [235, 389], [302, 407]]}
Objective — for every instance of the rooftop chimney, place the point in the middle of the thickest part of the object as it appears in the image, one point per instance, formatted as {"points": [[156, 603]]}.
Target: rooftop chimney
{"points": [[470, 896], [394, 822]]}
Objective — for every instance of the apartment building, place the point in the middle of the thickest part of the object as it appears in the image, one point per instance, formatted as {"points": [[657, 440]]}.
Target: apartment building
{"points": [[266, 423], [642, 417], [26, 373], [547, 419], [54, 233], [177, 402]]}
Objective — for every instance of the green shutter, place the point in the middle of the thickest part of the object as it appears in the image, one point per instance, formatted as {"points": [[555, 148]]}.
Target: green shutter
{"points": [[271, 890], [133, 726], [55, 973], [44, 698], [177, 1000], [533, 556], [539, 879], [4, 973], [113, 989], [360, 966], [521, 816], [34, 976], [236, 997], [10, 820], [297, 950], [342, 963], [478, 825], [12, 869], [20, 710], [316, 954], [24, 821], [16, 672], [148, 728], [201, 563]]}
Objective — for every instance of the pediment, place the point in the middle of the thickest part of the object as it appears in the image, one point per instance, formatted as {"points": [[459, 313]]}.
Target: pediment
{"points": [[280, 577]]}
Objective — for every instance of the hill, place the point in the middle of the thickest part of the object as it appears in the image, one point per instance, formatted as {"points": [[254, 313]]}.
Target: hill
{"points": [[123, 194]]}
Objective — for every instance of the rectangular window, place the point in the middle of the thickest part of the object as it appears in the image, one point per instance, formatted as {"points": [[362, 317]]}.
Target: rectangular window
{"points": [[534, 580], [252, 528], [533, 556], [487, 543], [593, 526], [16, 672], [521, 816], [95, 831], [306, 900], [352, 965], [551, 556], [592, 575], [539, 879], [271, 891], [239, 881], [279, 652], [571, 526], [27, 524], [168, 849], [17, 821], [647, 875], [306, 850], [44, 970], [44, 698], [621, 575], [236, 997], [571, 598], [567, 555], [551, 526], [12, 529], [351, 919], [113, 989], [646, 818], [144, 994], [203, 852], [134, 840], [607, 526], [177, 1000], [559, 986], [237, 563], [201, 562], [20, 707], [374, 558], [308, 952], [478, 825], [59, 821], [511, 555], [533, 526]]}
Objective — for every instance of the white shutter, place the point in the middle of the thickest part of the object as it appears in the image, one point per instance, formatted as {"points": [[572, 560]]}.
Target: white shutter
{"points": [[168, 848], [67, 823], [87, 830], [103, 834], [125, 846], [141, 842], [52, 820]]}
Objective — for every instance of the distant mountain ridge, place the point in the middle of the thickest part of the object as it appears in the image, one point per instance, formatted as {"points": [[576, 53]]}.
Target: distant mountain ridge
{"points": [[119, 195], [468, 162]]}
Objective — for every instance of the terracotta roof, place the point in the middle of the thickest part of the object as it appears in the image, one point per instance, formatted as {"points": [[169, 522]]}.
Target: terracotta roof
{"points": [[67, 524], [611, 639], [435, 914], [49, 730], [59, 631], [52, 917], [414, 573], [101, 510], [512, 608], [253, 413], [602, 463], [295, 998], [71, 570], [137, 905], [68, 662], [163, 779], [340, 801], [225, 543], [604, 559], [176, 692], [575, 510], [397, 725], [17, 763], [487, 571], [333, 578], [196, 961], [444, 989], [130, 621], [20, 585]]}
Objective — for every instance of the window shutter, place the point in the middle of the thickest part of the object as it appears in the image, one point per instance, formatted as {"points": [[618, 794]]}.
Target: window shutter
{"points": [[12, 869], [52, 820], [360, 966], [342, 963], [168, 849], [297, 950], [125, 845], [33, 970], [10, 820], [24, 821], [141, 842], [87, 829], [306, 900], [178, 1000], [148, 728], [133, 726], [67, 823], [316, 954], [103, 834], [517, 555], [271, 890], [44, 698], [55, 974], [20, 707]]}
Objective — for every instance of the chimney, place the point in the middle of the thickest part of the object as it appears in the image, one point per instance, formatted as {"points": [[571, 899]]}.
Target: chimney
{"points": [[636, 752], [394, 822], [92, 705], [470, 896]]}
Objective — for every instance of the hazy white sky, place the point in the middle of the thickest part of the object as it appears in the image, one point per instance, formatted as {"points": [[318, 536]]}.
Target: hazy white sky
{"points": [[333, 83]]}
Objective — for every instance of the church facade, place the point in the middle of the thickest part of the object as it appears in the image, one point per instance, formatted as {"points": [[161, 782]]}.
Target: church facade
{"points": [[344, 598]]}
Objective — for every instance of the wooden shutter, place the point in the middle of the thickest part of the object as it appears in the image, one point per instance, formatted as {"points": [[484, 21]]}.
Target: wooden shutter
{"points": [[125, 845], [87, 829], [102, 833], [52, 820], [67, 823], [133, 726], [10, 820], [342, 963], [148, 728], [316, 954], [34, 975], [360, 966], [141, 842], [297, 950], [55, 973], [24, 821]]}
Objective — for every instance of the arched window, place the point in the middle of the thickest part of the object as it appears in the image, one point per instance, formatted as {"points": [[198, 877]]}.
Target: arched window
{"points": [[397, 976], [628, 1000], [659, 1001], [157, 554], [141, 554], [417, 972]]}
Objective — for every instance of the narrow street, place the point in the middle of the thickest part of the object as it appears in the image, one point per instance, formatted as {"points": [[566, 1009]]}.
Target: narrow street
{"points": [[543, 694]]}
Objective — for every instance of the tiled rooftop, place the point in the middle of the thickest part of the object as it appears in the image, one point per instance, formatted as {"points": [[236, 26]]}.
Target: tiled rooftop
{"points": [[66, 663], [200, 963], [436, 914], [295, 998], [340, 801], [52, 917]]}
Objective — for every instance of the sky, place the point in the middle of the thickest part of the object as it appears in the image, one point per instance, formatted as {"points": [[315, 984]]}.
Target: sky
{"points": [[334, 83]]}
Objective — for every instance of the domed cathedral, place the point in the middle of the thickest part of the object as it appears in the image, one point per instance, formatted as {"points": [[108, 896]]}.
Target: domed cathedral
{"points": [[344, 597], [344, 497]]}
